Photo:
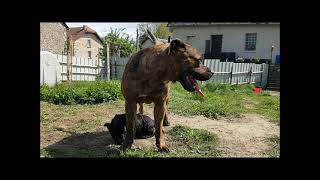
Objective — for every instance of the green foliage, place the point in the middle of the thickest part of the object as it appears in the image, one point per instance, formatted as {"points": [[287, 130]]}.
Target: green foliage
{"points": [[118, 40], [81, 92]]}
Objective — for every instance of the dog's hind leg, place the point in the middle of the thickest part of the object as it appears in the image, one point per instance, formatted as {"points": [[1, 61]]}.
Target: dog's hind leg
{"points": [[131, 114], [141, 108], [159, 112]]}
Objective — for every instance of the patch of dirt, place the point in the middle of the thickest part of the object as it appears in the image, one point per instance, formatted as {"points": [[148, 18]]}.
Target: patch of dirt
{"points": [[238, 137]]}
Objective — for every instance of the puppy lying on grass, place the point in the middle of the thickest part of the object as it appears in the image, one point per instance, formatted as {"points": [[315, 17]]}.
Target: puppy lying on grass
{"points": [[144, 127]]}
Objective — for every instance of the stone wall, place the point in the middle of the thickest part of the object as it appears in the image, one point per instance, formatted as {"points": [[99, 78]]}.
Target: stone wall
{"points": [[53, 37]]}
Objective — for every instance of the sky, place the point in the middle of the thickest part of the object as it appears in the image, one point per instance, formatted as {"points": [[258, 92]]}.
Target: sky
{"points": [[104, 28]]}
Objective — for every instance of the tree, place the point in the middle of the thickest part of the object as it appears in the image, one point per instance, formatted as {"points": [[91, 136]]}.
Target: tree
{"points": [[160, 30], [118, 41]]}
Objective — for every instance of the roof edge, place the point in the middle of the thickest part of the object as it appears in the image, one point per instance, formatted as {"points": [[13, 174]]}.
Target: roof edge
{"points": [[220, 23]]}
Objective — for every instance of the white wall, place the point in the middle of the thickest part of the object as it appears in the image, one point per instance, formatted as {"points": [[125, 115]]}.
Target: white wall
{"points": [[50, 71], [233, 39]]}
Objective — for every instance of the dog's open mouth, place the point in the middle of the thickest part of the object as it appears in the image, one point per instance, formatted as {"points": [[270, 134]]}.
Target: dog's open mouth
{"points": [[188, 79], [195, 86]]}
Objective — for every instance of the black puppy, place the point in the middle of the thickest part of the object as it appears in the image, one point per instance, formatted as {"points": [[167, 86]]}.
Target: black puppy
{"points": [[144, 127]]}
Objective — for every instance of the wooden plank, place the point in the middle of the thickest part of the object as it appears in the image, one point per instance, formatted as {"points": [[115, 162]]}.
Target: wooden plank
{"points": [[226, 76], [231, 69], [236, 67], [223, 68], [245, 67]]}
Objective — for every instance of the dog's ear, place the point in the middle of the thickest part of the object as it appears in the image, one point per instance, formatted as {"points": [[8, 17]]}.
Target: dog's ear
{"points": [[108, 125], [176, 46]]}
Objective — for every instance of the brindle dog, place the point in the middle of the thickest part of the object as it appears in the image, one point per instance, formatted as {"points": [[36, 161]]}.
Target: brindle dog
{"points": [[147, 78]]}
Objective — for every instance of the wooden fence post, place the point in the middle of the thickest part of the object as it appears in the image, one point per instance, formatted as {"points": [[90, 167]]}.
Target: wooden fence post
{"points": [[250, 73], [69, 58], [231, 74], [108, 63]]}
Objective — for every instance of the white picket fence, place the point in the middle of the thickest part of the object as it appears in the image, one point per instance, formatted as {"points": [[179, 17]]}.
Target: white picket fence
{"points": [[224, 72], [54, 69], [237, 73], [82, 68]]}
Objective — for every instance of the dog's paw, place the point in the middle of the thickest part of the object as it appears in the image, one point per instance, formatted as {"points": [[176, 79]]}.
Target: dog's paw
{"points": [[163, 148], [126, 145]]}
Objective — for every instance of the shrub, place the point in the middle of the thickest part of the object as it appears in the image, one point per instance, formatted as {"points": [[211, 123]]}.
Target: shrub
{"points": [[81, 92]]}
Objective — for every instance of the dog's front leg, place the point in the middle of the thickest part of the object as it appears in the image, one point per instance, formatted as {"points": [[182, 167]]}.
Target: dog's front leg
{"points": [[159, 113], [131, 114], [165, 120]]}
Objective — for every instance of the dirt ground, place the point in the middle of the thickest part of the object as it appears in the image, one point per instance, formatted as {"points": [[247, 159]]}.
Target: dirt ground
{"points": [[238, 137]]}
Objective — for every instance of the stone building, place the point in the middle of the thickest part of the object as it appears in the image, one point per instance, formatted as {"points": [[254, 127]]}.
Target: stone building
{"points": [[86, 42], [53, 37]]}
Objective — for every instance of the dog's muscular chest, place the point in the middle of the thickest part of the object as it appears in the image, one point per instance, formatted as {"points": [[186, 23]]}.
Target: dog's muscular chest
{"points": [[150, 92], [145, 76]]}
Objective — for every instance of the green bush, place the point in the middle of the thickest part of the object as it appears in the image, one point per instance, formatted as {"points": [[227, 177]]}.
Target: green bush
{"points": [[81, 92]]}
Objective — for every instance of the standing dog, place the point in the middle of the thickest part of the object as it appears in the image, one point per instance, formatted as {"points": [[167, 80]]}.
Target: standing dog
{"points": [[147, 78]]}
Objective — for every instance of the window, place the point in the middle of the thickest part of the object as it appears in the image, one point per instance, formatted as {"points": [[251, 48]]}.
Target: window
{"points": [[207, 47], [251, 41], [89, 54], [189, 39], [89, 43]]}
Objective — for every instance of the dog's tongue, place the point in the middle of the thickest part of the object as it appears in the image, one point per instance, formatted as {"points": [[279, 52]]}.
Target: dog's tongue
{"points": [[196, 87], [199, 90]]}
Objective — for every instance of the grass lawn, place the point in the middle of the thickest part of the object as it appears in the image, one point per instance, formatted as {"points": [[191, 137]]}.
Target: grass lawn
{"points": [[76, 114], [224, 101]]}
